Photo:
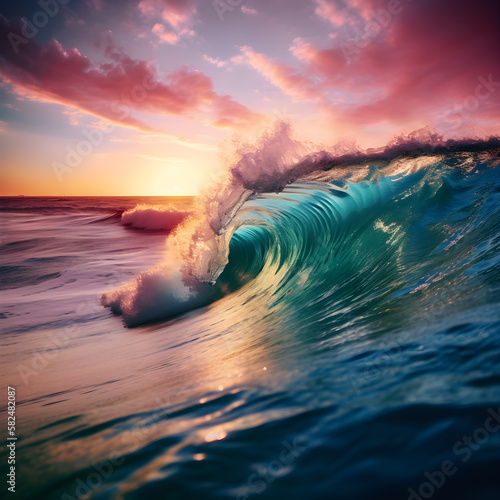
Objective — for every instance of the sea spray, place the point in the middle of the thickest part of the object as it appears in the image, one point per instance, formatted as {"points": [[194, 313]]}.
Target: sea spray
{"points": [[198, 250]]}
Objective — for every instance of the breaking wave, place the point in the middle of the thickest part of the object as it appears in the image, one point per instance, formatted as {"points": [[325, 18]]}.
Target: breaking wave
{"points": [[164, 217], [288, 217]]}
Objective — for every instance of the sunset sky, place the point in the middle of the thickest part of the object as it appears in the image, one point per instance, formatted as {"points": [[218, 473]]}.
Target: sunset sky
{"points": [[120, 97]]}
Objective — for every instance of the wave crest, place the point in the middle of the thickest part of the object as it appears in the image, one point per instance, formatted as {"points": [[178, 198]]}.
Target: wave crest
{"points": [[198, 248]]}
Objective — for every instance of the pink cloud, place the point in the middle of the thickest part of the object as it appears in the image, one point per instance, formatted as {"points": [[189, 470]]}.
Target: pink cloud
{"points": [[215, 61], [147, 7], [331, 12], [366, 8], [238, 59], [248, 10], [289, 80], [164, 35], [114, 89], [176, 19], [179, 14], [426, 59], [326, 62], [151, 7], [73, 115]]}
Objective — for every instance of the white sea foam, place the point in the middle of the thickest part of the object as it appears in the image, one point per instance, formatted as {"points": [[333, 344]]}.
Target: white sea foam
{"points": [[154, 217]]}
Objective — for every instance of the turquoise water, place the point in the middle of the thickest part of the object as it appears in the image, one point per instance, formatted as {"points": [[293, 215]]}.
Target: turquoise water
{"points": [[349, 350]]}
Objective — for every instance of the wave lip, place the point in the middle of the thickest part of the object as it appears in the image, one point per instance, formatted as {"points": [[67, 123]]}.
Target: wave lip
{"points": [[151, 217]]}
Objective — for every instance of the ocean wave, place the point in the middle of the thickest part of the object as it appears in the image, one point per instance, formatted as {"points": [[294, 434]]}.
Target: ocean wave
{"points": [[242, 234], [165, 217]]}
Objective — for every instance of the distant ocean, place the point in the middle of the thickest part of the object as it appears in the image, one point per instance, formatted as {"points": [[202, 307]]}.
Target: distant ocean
{"points": [[349, 348]]}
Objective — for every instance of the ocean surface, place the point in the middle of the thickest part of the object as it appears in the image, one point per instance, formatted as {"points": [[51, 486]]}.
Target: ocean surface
{"points": [[349, 348]]}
